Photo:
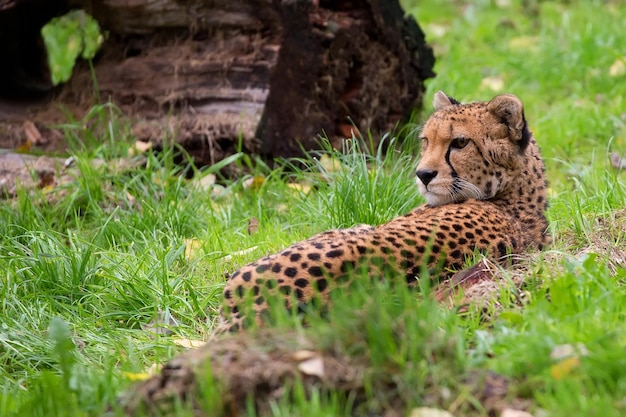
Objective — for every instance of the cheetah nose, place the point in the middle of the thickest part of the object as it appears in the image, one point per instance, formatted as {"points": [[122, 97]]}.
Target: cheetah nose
{"points": [[426, 175]]}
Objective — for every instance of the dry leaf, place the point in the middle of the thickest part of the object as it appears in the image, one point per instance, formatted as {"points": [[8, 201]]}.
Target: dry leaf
{"points": [[189, 343], [228, 258], [131, 200], [46, 179], [253, 226], [330, 164], [157, 178], [302, 188], [436, 30], [142, 376], [347, 130], [568, 357], [33, 135], [495, 84], [618, 67], [162, 324], [204, 183], [511, 412], [253, 183], [139, 147], [524, 43], [564, 351], [565, 367], [313, 367], [302, 355], [281, 208], [69, 162], [464, 279], [429, 412], [24, 147], [192, 246], [136, 376], [617, 161]]}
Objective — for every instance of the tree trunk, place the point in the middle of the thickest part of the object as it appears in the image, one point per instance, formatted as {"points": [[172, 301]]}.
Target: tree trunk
{"points": [[263, 76]]}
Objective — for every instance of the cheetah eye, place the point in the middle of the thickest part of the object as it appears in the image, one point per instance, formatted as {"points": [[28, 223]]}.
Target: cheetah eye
{"points": [[459, 143], [424, 142]]}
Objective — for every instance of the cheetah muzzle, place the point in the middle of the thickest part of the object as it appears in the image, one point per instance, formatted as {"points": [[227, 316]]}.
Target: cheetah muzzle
{"points": [[483, 179]]}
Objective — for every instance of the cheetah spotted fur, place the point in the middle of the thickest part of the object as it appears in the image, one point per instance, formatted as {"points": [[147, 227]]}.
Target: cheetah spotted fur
{"points": [[483, 179]]}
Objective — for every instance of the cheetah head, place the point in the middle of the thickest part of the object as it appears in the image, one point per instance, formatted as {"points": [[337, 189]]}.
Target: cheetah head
{"points": [[471, 150]]}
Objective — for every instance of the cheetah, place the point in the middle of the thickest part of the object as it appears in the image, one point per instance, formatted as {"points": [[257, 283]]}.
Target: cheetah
{"points": [[484, 183]]}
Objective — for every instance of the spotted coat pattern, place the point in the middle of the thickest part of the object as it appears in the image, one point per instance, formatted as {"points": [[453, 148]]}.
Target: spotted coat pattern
{"points": [[484, 183]]}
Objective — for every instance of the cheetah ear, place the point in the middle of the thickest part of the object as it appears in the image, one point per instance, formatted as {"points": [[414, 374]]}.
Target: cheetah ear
{"points": [[442, 100], [510, 110]]}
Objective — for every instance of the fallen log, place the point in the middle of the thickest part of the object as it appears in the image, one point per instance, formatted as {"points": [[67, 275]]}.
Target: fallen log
{"points": [[262, 76]]}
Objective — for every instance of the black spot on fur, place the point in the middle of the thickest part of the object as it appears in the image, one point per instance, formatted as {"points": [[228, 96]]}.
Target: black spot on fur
{"points": [[301, 283], [347, 266], [406, 264], [411, 278], [321, 284], [314, 256], [316, 271], [291, 272], [240, 290], [295, 257], [335, 253], [502, 250]]}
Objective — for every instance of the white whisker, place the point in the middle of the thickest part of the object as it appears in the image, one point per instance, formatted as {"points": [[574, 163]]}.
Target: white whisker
{"points": [[465, 189]]}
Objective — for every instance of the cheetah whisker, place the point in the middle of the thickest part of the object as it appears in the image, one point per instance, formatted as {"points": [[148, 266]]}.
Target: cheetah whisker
{"points": [[465, 190]]}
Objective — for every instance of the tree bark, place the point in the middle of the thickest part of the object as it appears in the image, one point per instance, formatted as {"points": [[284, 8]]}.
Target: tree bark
{"points": [[263, 76]]}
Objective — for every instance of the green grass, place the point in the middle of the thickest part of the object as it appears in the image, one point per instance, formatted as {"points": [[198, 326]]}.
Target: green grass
{"points": [[87, 269]]}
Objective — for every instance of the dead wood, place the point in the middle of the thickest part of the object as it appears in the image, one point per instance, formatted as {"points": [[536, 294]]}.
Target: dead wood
{"points": [[262, 76]]}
